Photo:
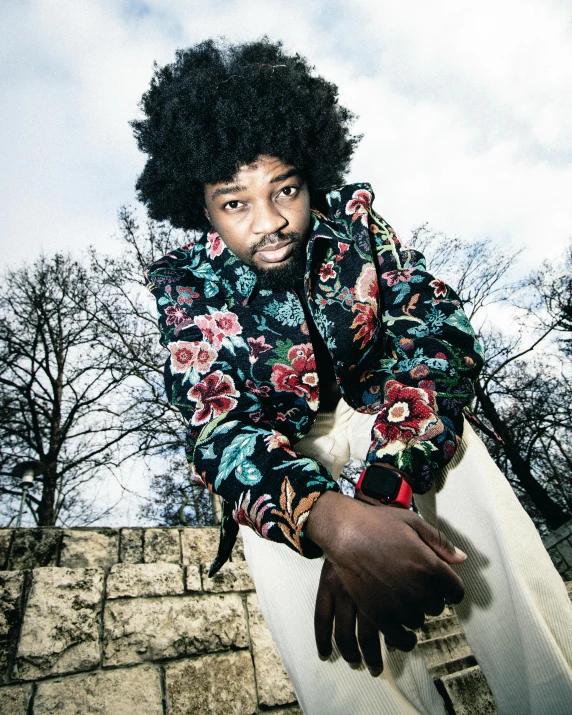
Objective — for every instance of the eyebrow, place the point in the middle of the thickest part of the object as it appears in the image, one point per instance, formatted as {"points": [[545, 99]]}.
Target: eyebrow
{"points": [[227, 190], [285, 175], [236, 188]]}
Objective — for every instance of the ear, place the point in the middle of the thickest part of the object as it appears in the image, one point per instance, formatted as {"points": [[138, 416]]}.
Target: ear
{"points": [[207, 214]]}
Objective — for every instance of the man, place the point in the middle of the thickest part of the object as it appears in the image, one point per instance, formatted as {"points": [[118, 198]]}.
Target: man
{"points": [[301, 332]]}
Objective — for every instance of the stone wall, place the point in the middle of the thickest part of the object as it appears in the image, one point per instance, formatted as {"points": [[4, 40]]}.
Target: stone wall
{"points": [[125, 622], [559, 546]]}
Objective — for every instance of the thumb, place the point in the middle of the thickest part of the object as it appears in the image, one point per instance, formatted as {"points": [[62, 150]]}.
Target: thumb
{"points": [[438, 542]]}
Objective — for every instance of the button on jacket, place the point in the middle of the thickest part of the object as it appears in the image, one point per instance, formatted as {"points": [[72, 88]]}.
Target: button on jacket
{"points": [[242, 367]]}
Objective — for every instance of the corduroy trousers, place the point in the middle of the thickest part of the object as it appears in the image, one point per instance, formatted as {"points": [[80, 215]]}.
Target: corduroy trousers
{"points": [[516, 613]]}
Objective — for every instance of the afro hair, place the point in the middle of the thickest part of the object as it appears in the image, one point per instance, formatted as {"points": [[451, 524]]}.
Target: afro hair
{"points": [[219, 107]]}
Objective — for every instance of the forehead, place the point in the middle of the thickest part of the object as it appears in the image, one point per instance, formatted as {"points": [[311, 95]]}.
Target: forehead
{"points": [[264, 172]]}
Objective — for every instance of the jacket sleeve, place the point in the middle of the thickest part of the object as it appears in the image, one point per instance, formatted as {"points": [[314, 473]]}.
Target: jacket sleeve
{"points": [[232, 449], [431, 354]]}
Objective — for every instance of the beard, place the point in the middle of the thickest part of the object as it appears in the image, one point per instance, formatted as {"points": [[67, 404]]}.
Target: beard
{"points": [[291, 273]]}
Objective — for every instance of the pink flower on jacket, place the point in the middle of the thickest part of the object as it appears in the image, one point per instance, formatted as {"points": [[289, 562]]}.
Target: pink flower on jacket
{"points": [[399, 276], [327, 271], [342, 247], [357, 207], [218, 326], [252, 516], [257, 346], [215, 395], [366, 286], [439, 288], [186, 355], [408, 415], [215, 244], [300, 377]]}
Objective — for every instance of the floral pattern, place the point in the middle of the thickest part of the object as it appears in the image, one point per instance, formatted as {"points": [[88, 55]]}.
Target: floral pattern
{"points": [[242, 368]]}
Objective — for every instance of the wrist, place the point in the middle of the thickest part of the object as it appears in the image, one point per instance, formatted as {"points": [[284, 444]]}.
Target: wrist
{"points": [[325, 519]]}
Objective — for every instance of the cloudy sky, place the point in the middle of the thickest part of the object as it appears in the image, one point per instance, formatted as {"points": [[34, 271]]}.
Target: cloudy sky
{"points": [[465, 108]]}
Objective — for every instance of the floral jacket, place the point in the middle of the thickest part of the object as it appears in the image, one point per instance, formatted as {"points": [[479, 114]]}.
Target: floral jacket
{"points": [[242, 369]]}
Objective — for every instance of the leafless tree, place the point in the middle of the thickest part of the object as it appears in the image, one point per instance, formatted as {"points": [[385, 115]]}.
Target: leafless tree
{"points": [[66, 398], [523, 394]]}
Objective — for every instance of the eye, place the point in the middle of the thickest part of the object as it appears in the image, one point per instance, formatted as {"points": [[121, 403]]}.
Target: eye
{"points": [[289, 191], [232, 205]]}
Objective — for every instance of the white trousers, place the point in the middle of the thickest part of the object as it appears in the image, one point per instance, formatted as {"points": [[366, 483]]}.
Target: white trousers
{"points": [[516, 613]]}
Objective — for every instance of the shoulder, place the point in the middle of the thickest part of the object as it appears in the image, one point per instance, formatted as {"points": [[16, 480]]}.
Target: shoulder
{"points": [[344, 202], [182, 265]]}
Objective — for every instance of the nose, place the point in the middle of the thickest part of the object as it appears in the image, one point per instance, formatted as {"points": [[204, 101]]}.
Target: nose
{"points": [[267, 219]]}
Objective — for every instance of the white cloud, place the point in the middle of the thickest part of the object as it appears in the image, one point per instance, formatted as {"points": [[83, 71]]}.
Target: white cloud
{"points": [[465, 108]]}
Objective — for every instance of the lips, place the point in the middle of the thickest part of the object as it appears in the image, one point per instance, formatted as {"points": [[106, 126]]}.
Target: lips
{"points": [[275, 252]]}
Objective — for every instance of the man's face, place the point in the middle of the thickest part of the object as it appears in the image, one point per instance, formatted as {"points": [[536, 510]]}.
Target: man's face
{"points": [[263, 216]]}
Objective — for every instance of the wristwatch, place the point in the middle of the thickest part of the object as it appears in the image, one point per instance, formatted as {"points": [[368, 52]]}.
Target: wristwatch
{"points": [[386, 484]]}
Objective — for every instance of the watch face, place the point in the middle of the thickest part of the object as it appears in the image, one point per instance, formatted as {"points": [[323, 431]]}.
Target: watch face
{"points": [[381, 483]]}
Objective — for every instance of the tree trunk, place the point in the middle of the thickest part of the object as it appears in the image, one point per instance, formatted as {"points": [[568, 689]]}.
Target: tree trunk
{"points": [[46, 508], [554, 514]]}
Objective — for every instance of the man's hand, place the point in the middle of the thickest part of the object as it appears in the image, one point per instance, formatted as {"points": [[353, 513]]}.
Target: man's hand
{"points": [[392, 564], [334, 605]]}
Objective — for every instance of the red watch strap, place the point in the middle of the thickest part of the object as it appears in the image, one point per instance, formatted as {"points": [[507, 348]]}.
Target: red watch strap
{"points": [[404, 495]]}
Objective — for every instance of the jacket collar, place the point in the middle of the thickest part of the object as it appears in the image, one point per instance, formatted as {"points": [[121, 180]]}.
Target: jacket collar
{"points": [[236, 279]]}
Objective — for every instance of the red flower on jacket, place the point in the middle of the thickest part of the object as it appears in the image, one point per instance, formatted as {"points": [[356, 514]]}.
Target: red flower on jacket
{"points": [[357, 207], [366, 321], [215, 395], [218, 326], [395, 277], [408, 415], [439, 288], [300, 377], [327, 271], [186, 295]]}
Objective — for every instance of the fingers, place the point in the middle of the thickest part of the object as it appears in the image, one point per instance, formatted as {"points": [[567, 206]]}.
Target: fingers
{"points": [[447, 583], [345, 631], [438, 542], [368, 637], [324, 618]]}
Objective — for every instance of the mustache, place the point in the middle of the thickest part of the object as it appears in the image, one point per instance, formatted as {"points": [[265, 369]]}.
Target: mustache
{"points": [[271, 239]]}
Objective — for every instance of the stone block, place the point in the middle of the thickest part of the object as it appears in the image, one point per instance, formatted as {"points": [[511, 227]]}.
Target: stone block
{"points": [[15, 700], [132, 691], [32, 548], [134, 580], [60, 628], [193, 578], [211, 685], [148, 629], [161, 545], [11, 583], [89, 548], [5, 535], [131, 546], [468, 693], [272, 682], [291, 710], [233, 576], [565, 549], [437, 651], [199, 544]]}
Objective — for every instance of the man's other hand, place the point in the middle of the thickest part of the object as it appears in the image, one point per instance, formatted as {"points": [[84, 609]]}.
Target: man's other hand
{"points": [[391, 563], [334, 606]]}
